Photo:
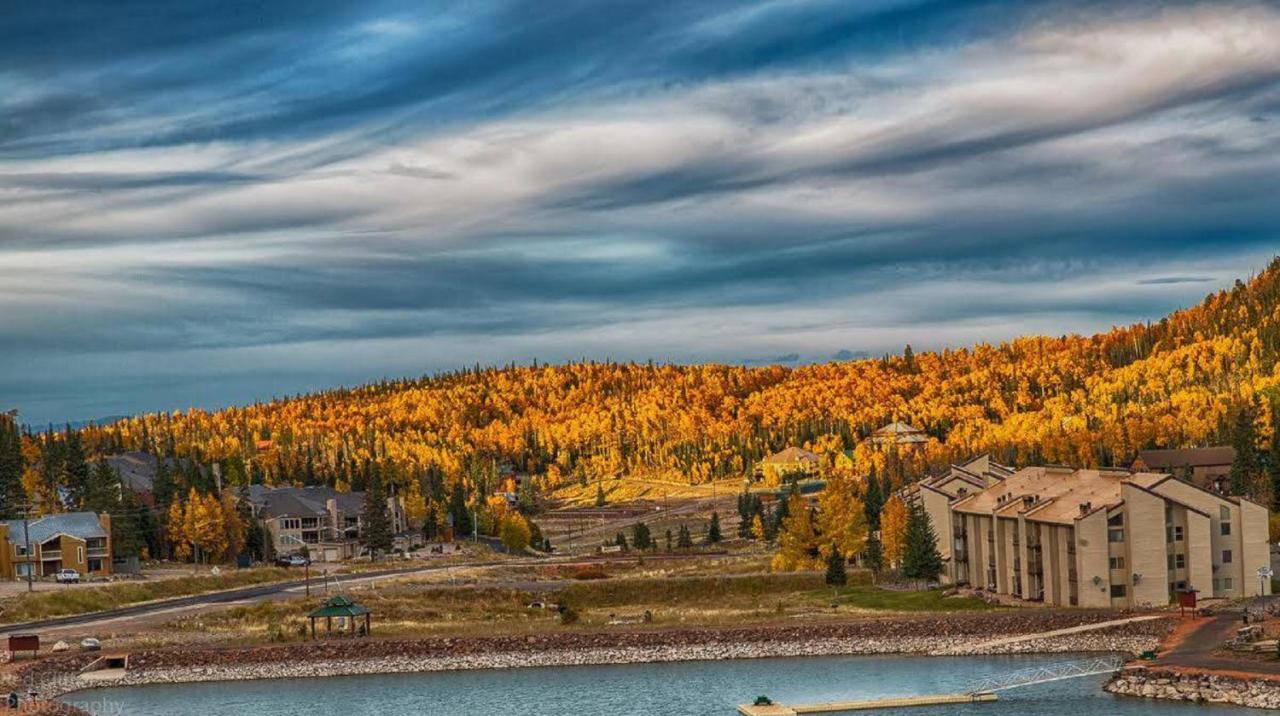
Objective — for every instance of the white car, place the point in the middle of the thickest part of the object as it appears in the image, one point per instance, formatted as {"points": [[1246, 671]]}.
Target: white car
{"points": [[67, 576]]}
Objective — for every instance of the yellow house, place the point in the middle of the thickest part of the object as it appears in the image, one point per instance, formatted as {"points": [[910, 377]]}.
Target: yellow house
{"points": [[74, 540], [791, 460]]}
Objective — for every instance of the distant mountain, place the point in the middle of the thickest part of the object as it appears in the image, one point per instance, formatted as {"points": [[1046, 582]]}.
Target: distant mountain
{"points": [[81, 424]]}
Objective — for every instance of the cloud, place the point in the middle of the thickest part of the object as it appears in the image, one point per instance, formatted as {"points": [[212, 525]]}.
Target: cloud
{"points": [[499, 181]]}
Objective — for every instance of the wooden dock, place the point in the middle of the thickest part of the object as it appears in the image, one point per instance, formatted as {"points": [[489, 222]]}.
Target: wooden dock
{"points": [[840, 706]]}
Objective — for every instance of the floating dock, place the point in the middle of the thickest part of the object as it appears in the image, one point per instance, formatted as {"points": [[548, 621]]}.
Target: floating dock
{"points": [[841, 706]]}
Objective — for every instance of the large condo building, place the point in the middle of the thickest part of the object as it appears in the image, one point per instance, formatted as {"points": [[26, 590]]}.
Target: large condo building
{"points": [[1094, 538]]}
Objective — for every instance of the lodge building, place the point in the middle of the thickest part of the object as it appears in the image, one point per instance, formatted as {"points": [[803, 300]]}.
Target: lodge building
{"points": [[1095, 538]]}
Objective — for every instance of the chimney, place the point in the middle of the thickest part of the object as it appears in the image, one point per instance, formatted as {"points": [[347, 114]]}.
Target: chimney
{"points": [[1086, 508]]}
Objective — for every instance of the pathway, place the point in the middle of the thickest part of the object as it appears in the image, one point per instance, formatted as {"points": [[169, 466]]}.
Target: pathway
{"points": [[981, 646]]}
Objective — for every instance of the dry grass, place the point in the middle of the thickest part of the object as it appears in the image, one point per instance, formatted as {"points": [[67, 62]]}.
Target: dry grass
{"points": [[630, 489], [80, 600]]}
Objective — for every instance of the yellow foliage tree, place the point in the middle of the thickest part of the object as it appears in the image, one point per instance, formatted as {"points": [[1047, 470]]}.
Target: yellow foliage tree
{"points": [[236, 529], [415, 505], [842, 521], [797, 540], [893, 530], [176, 531], [514, 532]]}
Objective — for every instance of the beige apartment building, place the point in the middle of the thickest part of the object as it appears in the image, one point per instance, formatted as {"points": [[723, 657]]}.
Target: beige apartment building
{"points": [[1096, 538]]}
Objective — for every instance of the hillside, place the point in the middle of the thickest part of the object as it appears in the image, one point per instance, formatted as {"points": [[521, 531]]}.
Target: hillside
{"points": [[1083, 400]]}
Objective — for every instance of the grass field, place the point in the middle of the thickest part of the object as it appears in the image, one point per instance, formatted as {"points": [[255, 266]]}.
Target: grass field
{"points": [[79, 600], [671, 599], [874, 598]]}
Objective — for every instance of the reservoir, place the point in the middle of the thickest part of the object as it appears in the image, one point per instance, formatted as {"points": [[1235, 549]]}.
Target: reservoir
{"points": [[705, 688]]}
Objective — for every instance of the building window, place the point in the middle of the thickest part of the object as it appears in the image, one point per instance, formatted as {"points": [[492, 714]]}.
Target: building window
{"points": [[1177, 533], [1116, 520], [290, 523], [1117, 562], [1179, 561], [1226, 556], [1224, 513], [1115, 535], [79, 555], [1226, 584], [1118, 590], [1217, 584], [20, 550], [1226, 528]]}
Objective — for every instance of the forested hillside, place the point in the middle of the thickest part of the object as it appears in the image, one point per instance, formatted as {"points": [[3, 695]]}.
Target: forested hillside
{"points": [[1084, 400]]}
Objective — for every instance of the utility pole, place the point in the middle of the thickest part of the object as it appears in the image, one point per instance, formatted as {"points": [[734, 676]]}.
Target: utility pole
{"points": [[26, 535]]}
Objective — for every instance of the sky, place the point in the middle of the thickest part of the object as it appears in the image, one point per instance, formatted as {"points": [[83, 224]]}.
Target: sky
{"points": [[211, 203]]}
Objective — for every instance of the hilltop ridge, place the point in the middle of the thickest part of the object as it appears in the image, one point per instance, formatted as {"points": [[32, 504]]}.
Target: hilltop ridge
{"points": [[1085, 400]]}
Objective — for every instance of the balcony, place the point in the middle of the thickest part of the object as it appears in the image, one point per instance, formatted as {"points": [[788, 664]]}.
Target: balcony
{"points": [[50, 554], [99, 552]]}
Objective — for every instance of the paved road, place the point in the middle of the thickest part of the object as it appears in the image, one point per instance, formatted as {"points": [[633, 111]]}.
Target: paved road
{"points": [[1196, 649], [223, 597], [265, 592]]}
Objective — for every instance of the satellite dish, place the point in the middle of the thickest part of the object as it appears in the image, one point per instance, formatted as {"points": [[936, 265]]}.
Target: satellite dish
{"points": [[1265, 572]]}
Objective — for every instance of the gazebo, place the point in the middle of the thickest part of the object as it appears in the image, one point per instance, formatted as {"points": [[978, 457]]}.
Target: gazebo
{"points": [[340, 607]]}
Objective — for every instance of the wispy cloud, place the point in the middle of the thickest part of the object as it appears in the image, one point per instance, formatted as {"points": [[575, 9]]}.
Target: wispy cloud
{"points": [[501, 180]]}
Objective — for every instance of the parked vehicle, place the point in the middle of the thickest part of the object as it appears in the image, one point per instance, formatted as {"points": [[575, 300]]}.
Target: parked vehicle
{"points": [[292, 560], [67, 576]]}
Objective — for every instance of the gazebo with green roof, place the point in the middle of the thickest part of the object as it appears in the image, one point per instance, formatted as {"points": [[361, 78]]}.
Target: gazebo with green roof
{"points": [[340, 607]]}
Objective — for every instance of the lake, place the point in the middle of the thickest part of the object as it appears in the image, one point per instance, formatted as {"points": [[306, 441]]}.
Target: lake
{"points": [[708, 688]]}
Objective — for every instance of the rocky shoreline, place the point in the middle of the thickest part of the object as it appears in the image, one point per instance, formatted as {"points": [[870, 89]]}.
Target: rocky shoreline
{"points": [[1196, 687], [59, 676]]}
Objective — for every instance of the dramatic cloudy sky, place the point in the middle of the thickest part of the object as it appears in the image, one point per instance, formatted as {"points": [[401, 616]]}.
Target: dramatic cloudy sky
{"points": [[209, 203]]}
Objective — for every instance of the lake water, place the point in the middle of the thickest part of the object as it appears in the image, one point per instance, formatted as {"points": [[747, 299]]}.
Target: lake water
{"points": [[710, 688]]}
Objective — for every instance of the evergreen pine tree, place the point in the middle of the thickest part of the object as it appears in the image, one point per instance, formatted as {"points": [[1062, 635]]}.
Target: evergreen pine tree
{"points": [[1273, 459], [781, 511], [620, 540], [75, 470], [600, 501], [375, 527], [163, 486], [670, 540], [713, 529], [684, 540], [458, 510], [836, 575], [527, 497], [1246, 467], [872, 501], [640, 537], [102, 490], [873, 557], [920, 557], [12, 495]]}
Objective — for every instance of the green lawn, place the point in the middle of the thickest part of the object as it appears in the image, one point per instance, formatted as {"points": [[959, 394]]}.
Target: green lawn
{"points": [[871, 597]]}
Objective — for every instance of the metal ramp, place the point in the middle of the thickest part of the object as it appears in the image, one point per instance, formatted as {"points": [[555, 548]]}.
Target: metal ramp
{"points": [[1046, 673]]}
